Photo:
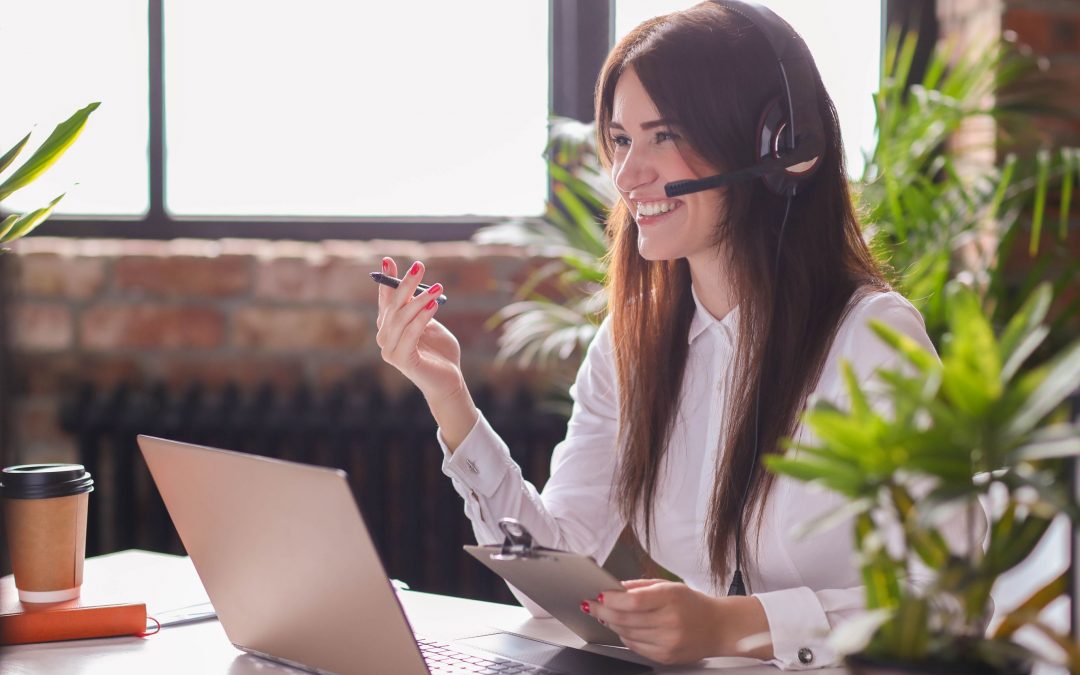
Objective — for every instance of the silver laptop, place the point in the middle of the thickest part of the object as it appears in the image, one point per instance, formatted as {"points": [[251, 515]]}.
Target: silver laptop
{"points": [[294, 577]]}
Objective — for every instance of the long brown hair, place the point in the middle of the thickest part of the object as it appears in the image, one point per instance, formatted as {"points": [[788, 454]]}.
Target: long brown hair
{"points": [[712, 72]]}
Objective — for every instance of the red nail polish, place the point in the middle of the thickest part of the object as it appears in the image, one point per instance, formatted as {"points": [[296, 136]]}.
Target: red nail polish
{"points": [[385, 264], [430, 305], [584, 606], [435, 290], [415, 269], [600, 598]]}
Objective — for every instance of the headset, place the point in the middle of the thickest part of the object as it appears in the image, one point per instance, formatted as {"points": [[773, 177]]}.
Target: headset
{"points": [[790, 142], [790, 136]]}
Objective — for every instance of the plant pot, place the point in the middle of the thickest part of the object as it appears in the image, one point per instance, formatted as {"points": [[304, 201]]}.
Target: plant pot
{"points": [[860, 664]]}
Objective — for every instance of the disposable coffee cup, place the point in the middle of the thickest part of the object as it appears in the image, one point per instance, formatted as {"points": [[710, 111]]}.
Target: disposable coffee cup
{"points": [[45, 517]]}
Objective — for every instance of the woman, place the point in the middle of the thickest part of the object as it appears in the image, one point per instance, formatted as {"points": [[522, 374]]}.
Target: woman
{"points": [[728, 308]]}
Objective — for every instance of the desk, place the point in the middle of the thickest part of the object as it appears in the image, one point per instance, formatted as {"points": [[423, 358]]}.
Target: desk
{"points": [[165, 582]]}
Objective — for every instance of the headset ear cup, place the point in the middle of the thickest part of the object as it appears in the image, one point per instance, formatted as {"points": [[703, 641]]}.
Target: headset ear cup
{"points": [[773, 142], [770, 139]]}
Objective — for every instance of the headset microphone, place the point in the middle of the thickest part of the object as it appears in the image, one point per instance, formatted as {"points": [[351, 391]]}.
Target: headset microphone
{"points": [[788, 163]]}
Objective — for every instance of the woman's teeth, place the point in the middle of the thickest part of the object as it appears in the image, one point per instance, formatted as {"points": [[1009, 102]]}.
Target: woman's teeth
{"points": [[655, 208]]}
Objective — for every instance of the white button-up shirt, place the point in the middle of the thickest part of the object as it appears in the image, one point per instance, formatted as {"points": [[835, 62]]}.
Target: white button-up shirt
{"points": [[806, 585]]}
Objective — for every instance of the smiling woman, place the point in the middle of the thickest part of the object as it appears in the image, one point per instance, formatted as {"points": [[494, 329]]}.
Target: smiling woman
{"points": [[732, 300], [647, 154]]}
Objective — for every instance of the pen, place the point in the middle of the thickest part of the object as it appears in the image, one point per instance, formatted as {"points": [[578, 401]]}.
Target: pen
{"points": [[392, 282]]}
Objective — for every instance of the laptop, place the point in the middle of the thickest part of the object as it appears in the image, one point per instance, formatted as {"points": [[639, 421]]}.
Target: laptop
{"points": [[291, 570]]}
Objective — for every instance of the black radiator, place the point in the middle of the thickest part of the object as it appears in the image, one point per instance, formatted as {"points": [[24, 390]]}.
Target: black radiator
{"points": [[387, 446]]}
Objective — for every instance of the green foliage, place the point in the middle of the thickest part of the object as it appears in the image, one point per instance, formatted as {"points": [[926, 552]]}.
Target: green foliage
{"points": [[560, 306], [14, 225], [937, 437], [929, 208]]}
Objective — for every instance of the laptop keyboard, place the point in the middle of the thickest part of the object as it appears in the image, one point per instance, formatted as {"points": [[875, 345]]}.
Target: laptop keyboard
{"points": [[442, 658]]}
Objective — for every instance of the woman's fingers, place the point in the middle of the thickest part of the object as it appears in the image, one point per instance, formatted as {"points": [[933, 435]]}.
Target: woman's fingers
{"points": [[389, 268], [620, 621], [420, 311], [409, 281], [641, 583], [405, 316], [391, 305]]}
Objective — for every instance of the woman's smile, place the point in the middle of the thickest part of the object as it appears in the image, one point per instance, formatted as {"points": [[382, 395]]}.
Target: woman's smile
{"points": [[654, 212]]}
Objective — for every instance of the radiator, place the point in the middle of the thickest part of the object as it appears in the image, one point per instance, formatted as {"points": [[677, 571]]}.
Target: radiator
{"points": [[387, 447]]}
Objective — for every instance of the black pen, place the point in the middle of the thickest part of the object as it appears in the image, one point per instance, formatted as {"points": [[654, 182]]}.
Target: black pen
{"points": [[393, 282]]}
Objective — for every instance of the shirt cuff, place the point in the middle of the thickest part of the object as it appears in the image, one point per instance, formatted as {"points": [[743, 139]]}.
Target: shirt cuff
{"points": [[482, 460], [799, 629]]}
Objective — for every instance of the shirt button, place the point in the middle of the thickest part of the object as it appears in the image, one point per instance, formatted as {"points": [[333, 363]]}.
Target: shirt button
{"points": [[806, 657], [472, 466]]}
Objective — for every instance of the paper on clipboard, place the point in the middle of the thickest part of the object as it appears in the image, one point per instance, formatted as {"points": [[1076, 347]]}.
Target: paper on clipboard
{"points": [[557, 581]]}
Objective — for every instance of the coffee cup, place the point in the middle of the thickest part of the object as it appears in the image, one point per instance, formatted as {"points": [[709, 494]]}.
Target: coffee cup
{"points": [[45, 517]]}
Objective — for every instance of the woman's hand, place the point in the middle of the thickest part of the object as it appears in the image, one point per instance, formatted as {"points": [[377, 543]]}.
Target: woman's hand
{"points": [[669, 622], [424, 350]]}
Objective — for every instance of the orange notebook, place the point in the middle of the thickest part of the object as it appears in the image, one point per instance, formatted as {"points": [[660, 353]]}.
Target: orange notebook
{"points": [[70, 620], [60, 622]]}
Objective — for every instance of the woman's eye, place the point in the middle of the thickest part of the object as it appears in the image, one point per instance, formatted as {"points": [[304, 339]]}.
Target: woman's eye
{"points": [[662, 136], [620, 141]]}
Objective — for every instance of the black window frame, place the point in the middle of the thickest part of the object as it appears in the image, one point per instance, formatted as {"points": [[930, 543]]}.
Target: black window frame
{"points": [[580, 35], [581, 32]]}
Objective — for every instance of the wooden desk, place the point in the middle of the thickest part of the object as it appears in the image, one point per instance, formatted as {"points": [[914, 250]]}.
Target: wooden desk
{"points": [[168, 582]]}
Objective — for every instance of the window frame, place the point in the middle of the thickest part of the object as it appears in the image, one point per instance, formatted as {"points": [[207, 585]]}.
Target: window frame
{"points": [[580, 35]]}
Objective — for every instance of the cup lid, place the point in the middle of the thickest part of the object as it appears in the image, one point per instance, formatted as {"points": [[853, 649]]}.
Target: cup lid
{"points": [[43, 481]]}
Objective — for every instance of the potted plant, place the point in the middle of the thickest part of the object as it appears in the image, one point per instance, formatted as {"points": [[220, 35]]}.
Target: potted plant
{"points": [[974, 425], [15, 225]]}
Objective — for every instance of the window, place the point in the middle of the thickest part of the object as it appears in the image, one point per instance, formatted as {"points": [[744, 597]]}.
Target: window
{"points": [[57, 58], [317, 109], [291, 120], [355, 108]]}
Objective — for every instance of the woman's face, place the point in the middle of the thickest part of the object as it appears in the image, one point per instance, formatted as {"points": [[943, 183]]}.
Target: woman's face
{"points": [[649, 153]]}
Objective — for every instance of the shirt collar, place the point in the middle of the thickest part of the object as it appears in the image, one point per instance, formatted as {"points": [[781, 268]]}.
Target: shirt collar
{"points": [[703, 320]]}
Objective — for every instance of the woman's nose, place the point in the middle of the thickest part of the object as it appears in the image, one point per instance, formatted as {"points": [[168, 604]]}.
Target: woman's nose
{"points": [[634, 172]]}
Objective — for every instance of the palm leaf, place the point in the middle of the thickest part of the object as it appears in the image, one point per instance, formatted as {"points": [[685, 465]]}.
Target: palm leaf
{"points": [[45, 156]]}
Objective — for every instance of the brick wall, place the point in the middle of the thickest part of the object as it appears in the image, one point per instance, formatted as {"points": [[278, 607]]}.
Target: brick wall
{"points": [[242, 311], [1046, 29]]}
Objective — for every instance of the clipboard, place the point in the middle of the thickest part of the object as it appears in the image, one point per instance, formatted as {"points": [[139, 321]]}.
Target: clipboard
{"points": [[557, 581]]}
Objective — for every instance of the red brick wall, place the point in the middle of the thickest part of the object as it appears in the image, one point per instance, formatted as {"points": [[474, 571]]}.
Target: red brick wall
{"points": [[218, 311], [1046, 29]]}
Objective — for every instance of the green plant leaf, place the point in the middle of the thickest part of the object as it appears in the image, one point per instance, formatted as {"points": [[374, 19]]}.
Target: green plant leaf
{"points": [[1043, 180], [11, 154], [1069, 160], [1020, 337], [834, 475], [6, 226], [1030, 609], [906, 346], [1056, 381], [25, 224], [1055, 442], [45, 156], [880, 578]]}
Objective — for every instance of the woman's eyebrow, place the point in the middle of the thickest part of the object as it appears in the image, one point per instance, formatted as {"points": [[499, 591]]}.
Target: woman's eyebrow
{"points": [[645, 125]]}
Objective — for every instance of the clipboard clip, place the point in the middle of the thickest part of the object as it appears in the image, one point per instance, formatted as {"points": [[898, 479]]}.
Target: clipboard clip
{"points": [[518, 542]]}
